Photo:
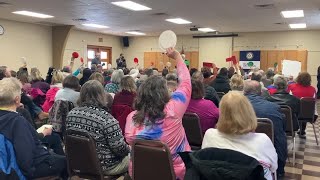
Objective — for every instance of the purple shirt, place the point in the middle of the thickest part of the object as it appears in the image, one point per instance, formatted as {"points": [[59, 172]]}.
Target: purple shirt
{"points": [[207, 112]]}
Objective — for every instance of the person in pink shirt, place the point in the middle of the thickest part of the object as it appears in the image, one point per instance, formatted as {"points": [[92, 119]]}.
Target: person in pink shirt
{"points": [[205, 109], [159, 116]]}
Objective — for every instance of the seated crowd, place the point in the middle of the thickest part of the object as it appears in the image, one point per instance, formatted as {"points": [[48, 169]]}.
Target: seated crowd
{"points": [[118, 106]]}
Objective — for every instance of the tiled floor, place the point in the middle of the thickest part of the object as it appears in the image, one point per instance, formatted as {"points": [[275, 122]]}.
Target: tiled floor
{"points": [[307, 166]]}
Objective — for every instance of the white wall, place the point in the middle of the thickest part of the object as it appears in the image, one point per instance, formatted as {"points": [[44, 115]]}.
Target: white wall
{"points": [[25, 40], [78, 41]]}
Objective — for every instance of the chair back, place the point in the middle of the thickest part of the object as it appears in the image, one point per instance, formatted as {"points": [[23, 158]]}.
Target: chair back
{"points": [[82, 156], [120, 113], [192, 127], [307, 109], [220, 94], [151, 160], [286, 110], [265, 125]]}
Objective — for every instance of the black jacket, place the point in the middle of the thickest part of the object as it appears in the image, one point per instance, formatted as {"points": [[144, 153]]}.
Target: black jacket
{"points": [[284, 98], [221, 164], [211, 94], [221, 84]]}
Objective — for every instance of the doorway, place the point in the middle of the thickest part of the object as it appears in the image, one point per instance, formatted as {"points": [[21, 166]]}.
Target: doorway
{"points": [[105, 55]]}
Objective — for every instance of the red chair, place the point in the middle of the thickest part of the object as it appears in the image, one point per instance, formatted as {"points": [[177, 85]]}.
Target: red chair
{"points": [[120, 112]]}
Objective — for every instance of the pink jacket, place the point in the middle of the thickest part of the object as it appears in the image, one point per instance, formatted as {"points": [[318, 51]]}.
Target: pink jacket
{"points": [[49, 99], [170, 129]]}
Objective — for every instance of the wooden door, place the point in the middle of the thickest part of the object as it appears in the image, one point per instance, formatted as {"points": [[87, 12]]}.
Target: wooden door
{"points": [[105, 55]]}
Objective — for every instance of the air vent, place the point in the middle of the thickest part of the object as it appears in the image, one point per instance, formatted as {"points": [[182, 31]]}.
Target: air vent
{"points": [[80, 19], [5, 4], [280, 23], [159, 14], [264, 6]]}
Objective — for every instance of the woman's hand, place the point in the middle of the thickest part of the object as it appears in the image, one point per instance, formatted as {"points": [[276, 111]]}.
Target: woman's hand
{"points": [[172, 53]]}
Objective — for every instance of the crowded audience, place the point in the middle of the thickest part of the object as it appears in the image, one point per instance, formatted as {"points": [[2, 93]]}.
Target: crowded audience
{"points": [[117, 106]]}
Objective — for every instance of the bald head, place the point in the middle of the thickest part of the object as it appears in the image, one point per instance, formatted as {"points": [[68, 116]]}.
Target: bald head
{"points": [[252, 87]]}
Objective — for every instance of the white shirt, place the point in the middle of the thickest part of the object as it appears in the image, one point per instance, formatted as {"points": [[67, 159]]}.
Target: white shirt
{"points": [[67, 94], [256, 145]]}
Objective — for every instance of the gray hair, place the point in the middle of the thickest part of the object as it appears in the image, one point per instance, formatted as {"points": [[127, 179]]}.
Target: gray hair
{"points": [[172, 77], [116, 76], [252, 87], [198, 76], [281, 83], [10, 88]]}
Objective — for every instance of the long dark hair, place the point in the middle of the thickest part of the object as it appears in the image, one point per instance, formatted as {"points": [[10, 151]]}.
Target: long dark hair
{"points": [[151, 99]]}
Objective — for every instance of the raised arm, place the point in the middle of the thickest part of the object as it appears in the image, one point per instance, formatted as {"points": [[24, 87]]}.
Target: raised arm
{"points": [[181, 97]]}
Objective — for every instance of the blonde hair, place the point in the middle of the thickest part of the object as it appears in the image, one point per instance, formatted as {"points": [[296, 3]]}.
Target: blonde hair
{"points": [[10, 88], [237, 82], [127, 83], [35, 74], [57, 77], [97, 76], [236, 114]]}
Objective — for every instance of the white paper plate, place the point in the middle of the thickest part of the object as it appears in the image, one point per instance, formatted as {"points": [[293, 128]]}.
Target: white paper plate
{"points": [[167, 40]]}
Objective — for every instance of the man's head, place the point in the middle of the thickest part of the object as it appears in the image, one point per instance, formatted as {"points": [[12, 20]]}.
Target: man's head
{"points": [[10, 92], [256, 76], [4, 72], [252, 87], [281, 83], [223, 72]]}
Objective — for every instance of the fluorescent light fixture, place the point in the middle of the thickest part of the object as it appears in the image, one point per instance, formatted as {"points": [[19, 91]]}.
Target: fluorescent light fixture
{"points": [[131, 5], [292, 14], [32, 14], [206, 29], [136, 33], [95, 26], [298, 26], [178, 21]]}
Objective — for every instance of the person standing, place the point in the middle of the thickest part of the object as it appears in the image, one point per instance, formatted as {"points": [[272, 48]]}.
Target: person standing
{"points": [[96, 59], [121, 62]]}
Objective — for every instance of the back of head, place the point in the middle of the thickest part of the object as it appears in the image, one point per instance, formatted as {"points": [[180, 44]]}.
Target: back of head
{"points": [[172, 86], [97, 76], [193, 70], [304, 79], [92, 94], [231, 72], [127, 83], [35, 74], [116, 76], [256, 76], [148, 72], [198, 76], [86, 72], [151, 99], [197, 89], [155, 72], [236, 114], [126, 71], [71, 82], [66, 69], [236, 83], [172, 77], [281, 83], [252, 87], [57, 77], [206, 72], [270, 73], [13, 73], [23, 76], [10, 92], [3, 70], [223, 72], [165, 71]]}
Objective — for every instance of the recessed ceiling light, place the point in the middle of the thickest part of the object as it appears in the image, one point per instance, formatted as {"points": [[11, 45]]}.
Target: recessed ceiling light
{"points": [[206, 29], [136, 33], [95, 25], [131, 5], [32, 14], [292, 14], [298, 26], [178, 21]]}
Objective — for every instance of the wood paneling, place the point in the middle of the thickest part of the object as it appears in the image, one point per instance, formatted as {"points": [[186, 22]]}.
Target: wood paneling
{"points": [[269, 57], [159, 60]]}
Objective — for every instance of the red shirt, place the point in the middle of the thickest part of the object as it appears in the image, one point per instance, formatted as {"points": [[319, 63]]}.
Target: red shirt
{"points": [[302, 91]]}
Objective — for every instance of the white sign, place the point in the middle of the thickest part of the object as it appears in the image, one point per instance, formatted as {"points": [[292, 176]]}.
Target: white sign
{"points": [[291, 68]]}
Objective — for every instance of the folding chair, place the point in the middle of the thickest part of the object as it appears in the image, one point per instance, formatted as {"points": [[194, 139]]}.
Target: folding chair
{"points": [[192, 127]]}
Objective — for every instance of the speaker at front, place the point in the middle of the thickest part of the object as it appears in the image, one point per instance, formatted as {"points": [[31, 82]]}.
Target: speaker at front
{"points": [[125, 41]]}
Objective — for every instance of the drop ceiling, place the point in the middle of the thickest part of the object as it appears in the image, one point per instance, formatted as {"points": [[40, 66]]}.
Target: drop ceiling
{"points": [[221, 15]]}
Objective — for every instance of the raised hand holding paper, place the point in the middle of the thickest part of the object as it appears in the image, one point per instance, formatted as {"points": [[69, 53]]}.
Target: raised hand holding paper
{"points": [[167, 39]]}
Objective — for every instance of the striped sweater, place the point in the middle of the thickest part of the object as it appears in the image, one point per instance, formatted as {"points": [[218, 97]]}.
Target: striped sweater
{"points": [[105, 130]]}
